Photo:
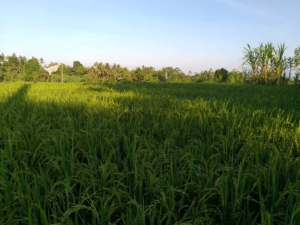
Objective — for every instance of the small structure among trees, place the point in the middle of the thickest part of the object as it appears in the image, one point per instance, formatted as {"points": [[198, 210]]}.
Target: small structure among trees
{"points": [[50, 70]]}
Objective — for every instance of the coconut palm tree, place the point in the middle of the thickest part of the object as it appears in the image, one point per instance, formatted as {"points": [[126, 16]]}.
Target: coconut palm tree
{"points": [[107, 70], [99, 69], [115, 71]]}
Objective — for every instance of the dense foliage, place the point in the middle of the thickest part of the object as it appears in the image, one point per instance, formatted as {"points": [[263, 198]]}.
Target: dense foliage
{"points": [[268, 65], [142, 153], [265, 64]]}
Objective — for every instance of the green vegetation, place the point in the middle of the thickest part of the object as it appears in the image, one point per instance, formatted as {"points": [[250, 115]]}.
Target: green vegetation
{"points": [[268, 65], [143, 153], [265, 64]]}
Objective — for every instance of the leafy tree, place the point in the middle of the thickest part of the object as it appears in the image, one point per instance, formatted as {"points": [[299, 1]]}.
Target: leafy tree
{"points": [[116, 71], [10, 67], [221, 75], [148, 74], [236, 77], [206, 75], [91, 75], [22, 60], [2, 69], [78, 69], [67, 70], [126, 74], [99, 69], [289, 66], [138, 74], [174, 74], [2, 58], [13, 64], [32, 70], [107, 71]]}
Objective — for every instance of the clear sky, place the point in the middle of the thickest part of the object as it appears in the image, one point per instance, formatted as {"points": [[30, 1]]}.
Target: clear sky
{"points": [[193, 35]]}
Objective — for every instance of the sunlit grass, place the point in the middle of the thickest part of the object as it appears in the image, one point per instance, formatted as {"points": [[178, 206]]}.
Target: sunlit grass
{"points": [[149, 154]]}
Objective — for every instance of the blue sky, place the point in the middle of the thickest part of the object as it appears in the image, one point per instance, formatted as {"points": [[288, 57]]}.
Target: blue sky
{"points": [[192, 35]]}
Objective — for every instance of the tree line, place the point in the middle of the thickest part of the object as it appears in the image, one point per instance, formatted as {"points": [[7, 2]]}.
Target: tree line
{"points": [[19, 68], [265, 64]]}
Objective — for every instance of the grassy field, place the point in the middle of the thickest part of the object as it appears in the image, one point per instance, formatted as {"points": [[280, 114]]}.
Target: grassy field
{"points": [[146, 153]]}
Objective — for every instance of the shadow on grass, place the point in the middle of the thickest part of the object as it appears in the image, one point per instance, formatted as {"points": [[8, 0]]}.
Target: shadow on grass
{"points": [[75, 150], [18, 96], [278, 98]]}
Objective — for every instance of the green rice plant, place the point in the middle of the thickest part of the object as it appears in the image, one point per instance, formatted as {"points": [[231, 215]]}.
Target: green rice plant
{"points": [[149, 154]]}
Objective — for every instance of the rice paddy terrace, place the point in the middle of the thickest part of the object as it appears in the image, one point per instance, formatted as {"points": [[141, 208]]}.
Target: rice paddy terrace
{"points": [[146, 153]]}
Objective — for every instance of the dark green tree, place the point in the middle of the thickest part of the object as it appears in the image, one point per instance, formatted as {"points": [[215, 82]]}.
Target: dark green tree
{"points": [[67, 70], [2, 58], [138, 74], [78, 69], [13, 64], [107, 71], [32, 70], [221, 75], [22, 60]]}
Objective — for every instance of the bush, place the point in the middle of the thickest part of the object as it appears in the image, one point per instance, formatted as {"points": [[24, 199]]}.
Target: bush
{"points": [[236, 77]]}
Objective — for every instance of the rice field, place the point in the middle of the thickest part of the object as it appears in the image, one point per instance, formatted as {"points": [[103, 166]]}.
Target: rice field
{"points": [[152, 154]]}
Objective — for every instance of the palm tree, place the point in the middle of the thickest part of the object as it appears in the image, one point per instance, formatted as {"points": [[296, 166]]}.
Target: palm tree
{"points": [[115, 71], [99, 69], [107, 70], [119, 71]]}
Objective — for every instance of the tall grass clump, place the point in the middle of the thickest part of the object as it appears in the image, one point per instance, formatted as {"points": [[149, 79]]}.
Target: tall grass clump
{"points": [[267, 64], [149, 154]]}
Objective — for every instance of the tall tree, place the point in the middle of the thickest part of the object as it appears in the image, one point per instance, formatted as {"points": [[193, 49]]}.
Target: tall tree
{"points": [[32, 69], [78, 69], [99, 67], [2, 58], [107, 71], [13, 64], [221, 75]]}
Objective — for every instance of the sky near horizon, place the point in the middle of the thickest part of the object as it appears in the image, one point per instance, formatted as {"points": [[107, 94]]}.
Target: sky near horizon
{"points": [[190, 34]]}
